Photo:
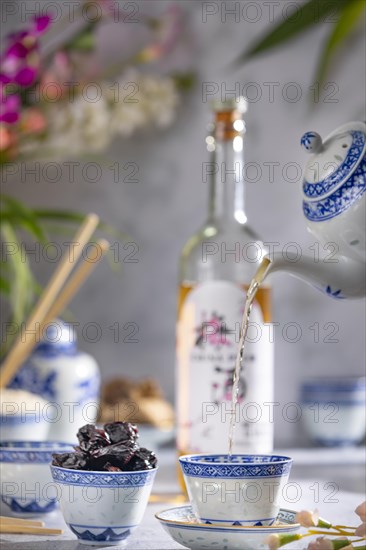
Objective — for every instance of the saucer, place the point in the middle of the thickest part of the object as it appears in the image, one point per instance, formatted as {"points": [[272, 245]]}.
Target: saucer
{"points": [[184, 528]]}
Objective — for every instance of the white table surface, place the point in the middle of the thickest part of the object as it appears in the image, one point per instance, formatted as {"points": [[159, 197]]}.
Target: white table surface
{"points": [[312, 488]]}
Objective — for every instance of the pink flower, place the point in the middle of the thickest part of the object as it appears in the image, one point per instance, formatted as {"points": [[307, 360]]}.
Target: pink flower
{"points": [[361, 530], [6, 138], [168, 32], [33, 121], [307, 518], [361, 511]]}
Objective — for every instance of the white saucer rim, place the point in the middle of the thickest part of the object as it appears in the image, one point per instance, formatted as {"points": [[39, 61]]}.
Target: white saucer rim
{"points": [[213, 526]]}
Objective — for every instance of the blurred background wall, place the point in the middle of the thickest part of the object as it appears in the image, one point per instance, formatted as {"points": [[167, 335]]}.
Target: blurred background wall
{"points": [[168, 202]]}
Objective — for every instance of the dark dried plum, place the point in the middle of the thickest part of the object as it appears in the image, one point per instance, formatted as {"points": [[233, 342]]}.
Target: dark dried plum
{"points": [[118, 454], [143, 459], [121, 431], [108, 466], [72, 461], [90, 438], [112, 449]]}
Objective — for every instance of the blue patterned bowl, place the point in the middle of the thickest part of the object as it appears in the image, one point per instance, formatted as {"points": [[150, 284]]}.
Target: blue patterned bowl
{"points": [[26, 483], [102, 508], [243, 490], [334, 410]]}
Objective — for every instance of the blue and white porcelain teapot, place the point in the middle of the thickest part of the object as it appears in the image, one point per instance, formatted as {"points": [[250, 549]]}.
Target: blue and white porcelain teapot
{"points": [[334, 205]]}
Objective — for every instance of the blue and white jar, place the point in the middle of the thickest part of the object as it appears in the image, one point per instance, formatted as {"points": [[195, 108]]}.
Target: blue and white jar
{"points": [[68, 379]]}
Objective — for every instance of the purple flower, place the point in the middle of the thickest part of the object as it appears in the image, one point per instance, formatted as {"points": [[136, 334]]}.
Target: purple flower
{"points": [[20, 62], [9, 107]]}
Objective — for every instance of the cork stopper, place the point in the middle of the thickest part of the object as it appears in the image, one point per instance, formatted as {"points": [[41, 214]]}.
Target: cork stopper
{"points": [[229, 121]]}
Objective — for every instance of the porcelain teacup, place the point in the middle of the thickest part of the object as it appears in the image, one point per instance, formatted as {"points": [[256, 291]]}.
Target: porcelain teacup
{"points": [[241, 490]]}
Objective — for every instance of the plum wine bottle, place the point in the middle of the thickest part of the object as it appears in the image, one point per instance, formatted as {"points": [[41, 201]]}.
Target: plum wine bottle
{"points": [[217, 265]]}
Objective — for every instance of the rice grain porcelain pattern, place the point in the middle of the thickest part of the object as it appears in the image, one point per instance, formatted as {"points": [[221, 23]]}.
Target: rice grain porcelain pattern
{"points": [[181, 524], [26, 483], [243, 491], [103, 508]]}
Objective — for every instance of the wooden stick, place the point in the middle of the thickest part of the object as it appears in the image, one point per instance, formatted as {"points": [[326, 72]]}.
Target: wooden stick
{"points": [[76, 280], [21, 348], [22, 530], [19, 521], [174, 498]]}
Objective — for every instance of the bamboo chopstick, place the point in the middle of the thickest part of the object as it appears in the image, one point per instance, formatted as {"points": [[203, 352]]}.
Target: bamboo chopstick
{"points": [[174, 498], [81, 273], [5, 520], [23, 530], [21, 348]]}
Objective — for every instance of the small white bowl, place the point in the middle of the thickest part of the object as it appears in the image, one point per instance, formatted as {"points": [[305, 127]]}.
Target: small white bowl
{"points": [[26, 483], [102, 508], [334, 410], [243, 490]]}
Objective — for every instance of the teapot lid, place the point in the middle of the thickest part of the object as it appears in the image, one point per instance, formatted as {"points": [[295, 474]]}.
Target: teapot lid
{"points": [[333, 160], [58, 337]]}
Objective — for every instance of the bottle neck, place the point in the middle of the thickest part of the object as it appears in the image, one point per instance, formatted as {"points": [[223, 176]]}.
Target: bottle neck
{"points": [[227, 192]]}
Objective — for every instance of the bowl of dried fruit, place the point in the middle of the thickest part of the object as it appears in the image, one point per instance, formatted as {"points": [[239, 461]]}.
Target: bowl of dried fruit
{"points": [[104, 485]]}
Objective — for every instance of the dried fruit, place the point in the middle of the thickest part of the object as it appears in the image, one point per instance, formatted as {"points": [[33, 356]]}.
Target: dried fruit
{"points": [[72, 461], [143, 459], [121, 431], [90, 438], [112, 449]]}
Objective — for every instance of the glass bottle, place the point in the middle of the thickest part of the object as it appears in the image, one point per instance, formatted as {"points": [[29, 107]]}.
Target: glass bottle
{"points": [[216, 267]]}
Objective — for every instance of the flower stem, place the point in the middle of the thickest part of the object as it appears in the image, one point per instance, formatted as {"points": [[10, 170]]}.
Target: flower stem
{"points": [[319, 532]]}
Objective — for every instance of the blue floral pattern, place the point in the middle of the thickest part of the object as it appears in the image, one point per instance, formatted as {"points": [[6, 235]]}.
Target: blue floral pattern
{"points": [[240, 466], [30, 507], [108, 535], [88, 389], [320, 188], [30, 379], [30, 452], [103, 479], [334, 293], [340, 200]]}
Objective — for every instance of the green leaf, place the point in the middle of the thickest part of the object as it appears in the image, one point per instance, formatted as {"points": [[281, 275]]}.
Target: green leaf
{"points": [[184, 81], [22, 282], [19, 215], [306, 16], [350, 16], [83, 42], [4, 286]]}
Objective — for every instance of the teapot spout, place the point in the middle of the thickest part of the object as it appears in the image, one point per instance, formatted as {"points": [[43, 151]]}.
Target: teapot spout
{"points": [[339, 278]]}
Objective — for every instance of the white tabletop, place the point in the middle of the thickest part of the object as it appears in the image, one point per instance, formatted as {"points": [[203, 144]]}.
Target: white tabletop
{"points": [[312, 488]]}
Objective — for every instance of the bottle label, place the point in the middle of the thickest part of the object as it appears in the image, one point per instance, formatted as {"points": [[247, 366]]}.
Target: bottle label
{"points": [[207, 344]]}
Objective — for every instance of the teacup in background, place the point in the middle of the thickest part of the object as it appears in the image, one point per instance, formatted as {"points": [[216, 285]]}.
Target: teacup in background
{"points": [[334, 410], [26, 486], [245, 490]]}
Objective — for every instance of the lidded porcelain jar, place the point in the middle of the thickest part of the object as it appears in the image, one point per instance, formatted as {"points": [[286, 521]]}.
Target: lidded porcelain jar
{"points": [[68, 379]]}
